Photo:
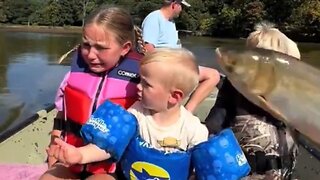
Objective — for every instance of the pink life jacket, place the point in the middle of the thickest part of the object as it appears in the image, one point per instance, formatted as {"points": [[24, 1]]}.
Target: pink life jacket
{"points": [[85, 91]]}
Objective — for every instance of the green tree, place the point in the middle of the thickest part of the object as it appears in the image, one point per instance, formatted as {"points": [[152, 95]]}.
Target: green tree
{"points": [[50, 15], [84, 7], [17, 12], [142, 9], [3, 8], [252, 13], [279, 11], [221, 18], [227, 21], [306, 19]]}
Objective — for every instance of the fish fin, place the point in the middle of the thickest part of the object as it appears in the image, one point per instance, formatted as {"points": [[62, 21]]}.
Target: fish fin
{"points": [[269, 108], [258, 100]]}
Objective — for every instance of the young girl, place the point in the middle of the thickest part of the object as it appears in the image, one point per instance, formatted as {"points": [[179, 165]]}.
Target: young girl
{"points": [[167, 130], [104, 67]]}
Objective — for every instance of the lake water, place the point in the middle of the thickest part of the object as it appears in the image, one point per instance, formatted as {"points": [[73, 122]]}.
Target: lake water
{"points": [[29, 73]]}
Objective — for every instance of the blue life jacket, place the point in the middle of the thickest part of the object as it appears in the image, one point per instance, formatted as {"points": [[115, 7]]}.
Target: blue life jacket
{"points": [[110, 128], [220, 158], [141, 161]]}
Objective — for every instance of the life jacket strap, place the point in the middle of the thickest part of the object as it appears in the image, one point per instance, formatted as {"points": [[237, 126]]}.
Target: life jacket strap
{"points": [[59, 124], [73, 127]]}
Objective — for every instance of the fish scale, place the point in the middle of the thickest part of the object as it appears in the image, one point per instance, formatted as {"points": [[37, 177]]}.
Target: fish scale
{"points": [[285, 87]]}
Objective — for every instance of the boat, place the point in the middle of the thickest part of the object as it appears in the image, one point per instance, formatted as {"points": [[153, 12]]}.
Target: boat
{"points": [[26, 143]]}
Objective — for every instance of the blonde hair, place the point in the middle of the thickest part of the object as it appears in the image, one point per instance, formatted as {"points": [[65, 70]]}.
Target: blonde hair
{"points": [[119, 22], [267, 37], [183, 71], [116, 19]]}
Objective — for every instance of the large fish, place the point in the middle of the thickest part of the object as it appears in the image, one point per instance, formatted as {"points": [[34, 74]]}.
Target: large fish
{"points": [[287, 88]]}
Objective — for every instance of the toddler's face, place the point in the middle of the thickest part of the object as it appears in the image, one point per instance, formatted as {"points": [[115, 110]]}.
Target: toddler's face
{"points": [[154, 95], [99, 49]]}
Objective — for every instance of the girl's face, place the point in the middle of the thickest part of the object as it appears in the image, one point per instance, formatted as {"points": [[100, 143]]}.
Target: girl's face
{"points": [[154, 96], [100, 50]]}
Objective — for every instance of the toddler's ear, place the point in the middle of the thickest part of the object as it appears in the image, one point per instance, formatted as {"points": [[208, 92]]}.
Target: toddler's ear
{"points": [[176, 96]]}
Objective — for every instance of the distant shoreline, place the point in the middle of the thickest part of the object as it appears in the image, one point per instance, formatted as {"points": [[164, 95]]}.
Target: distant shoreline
{"points": [[78, 30], [41, 29]]}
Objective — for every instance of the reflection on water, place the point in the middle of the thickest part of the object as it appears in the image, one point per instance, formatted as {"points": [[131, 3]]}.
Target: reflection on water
{"points": [[203, 48], [30, 75]]}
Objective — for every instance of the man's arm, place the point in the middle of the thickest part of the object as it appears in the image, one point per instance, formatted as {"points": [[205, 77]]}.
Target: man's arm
{"points": [[208, 79], [149, 47]]}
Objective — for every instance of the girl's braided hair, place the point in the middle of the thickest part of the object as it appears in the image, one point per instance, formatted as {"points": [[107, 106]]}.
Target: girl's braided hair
{"points": [[140, 45]]}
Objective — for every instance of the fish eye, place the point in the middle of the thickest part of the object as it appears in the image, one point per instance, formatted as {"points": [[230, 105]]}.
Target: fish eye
{"points": [[231, 62], [230, 69]]}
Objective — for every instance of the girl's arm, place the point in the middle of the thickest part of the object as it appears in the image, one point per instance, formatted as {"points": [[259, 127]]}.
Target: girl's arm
{"points": [[58, 122]]}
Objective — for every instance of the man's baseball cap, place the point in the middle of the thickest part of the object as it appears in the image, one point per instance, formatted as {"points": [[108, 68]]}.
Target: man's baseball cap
{"points": [[180, 1], [184, 3]]}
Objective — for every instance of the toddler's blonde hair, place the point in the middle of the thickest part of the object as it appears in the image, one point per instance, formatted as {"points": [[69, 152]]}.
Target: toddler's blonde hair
{"points": [[182, 70], [267, 37]]}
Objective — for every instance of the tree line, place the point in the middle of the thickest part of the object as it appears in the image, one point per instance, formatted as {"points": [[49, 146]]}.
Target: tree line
{"points": [[300, 19]]}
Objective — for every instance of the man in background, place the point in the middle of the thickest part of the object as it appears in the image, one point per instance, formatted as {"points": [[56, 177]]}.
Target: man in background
{"points": [[159, 31]]}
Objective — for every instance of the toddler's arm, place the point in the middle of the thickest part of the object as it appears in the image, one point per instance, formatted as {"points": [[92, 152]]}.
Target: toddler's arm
{"points": [[110, 128], [70, 154]]}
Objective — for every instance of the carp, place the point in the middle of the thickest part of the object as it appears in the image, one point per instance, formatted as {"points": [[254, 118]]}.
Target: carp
{"points": [[282, 85]]}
